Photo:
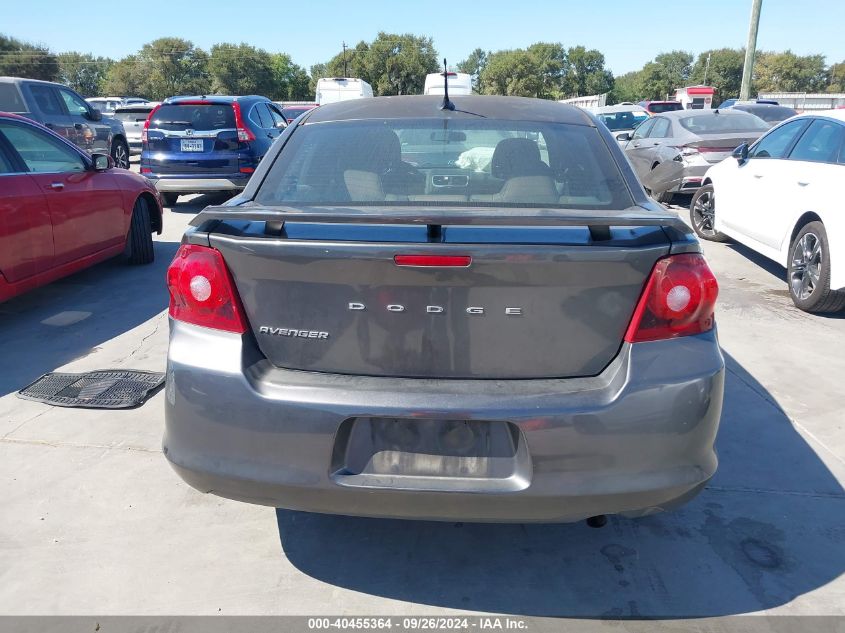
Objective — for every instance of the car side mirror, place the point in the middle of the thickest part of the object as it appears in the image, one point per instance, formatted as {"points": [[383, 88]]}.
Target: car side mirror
{"points": [[625, 136], [102, 162], [95, 115], [741, 153]]}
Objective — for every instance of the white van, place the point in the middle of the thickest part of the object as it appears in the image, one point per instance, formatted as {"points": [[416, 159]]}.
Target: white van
{"points": [[334, 89], [459, 84]]}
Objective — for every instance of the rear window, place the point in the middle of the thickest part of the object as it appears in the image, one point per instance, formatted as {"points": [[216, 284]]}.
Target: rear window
{"points": [[771, 114], [622, 120], [446, 161], [204, 116], [713, 123], [132, 114], [658, 108], [292, 113], [10, 99]]}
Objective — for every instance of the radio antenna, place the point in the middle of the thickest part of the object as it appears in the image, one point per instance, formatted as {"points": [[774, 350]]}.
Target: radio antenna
{"points": [[446, 104]]}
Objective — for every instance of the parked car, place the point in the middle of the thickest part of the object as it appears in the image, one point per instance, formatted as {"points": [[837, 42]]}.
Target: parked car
{"points": [[62, 210], [729, 103], [108, 105], [621, 119], [781, 198], [670, 152], [292, 111], [66, 113], [370, 330], [133, 117], [201, 144], [459, 84], [771, 114], [334, 89], [659, 107]]}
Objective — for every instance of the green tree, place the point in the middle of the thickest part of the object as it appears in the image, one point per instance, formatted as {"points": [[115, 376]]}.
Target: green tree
{"points": [[788, 72], [659, 78], [513, 72], [291, 82], [392, 64], [473, 65], [586, 74], [318, 71], [125, 77], [724, 72], [836, 77], [627, 87], [241, 70], [552, 64], [83, 72], [173, 66], [21, 59]]}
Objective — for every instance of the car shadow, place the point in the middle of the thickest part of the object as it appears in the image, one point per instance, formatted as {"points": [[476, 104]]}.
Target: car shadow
{"points": [[767, 529], [196, 204], [67, 319]]}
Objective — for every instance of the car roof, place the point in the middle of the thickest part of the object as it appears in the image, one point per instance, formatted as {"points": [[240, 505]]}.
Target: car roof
{"points": [[20, 80], [211, 98], [830, 114], [466, 107], [683, 114]]}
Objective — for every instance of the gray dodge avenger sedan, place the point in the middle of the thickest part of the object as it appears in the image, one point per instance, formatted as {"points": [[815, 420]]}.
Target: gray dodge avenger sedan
{"points": [[450, 310]]}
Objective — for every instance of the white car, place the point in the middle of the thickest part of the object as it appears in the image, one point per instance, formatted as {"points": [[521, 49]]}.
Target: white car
{"points": [[782, 198], [622, 119]]}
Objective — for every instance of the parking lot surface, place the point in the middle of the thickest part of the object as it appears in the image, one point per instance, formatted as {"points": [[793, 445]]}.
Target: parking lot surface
{"points": [[94, 520]]}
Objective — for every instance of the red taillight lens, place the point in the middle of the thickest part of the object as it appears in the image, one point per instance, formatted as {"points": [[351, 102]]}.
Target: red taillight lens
{"points": [[147, 123], [202, 291], [432, 260], [244, 133], [679, 299]]}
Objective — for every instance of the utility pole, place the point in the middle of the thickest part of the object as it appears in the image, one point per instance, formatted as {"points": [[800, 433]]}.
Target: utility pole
{"points": [[706, 69], [345, 72], [750, 49]]}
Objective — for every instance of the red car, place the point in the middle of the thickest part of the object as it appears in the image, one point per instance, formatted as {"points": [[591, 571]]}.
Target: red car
{"points": [[62, 210]]}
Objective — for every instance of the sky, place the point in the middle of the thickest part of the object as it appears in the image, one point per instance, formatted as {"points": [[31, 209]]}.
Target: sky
{"points": [[628, 32]]}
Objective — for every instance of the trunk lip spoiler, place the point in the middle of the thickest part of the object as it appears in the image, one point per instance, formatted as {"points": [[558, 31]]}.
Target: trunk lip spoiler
{"points": [[451, 216]]}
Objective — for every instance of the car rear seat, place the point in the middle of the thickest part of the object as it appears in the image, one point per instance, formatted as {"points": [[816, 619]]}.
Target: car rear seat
{"points": [[527, 178]]}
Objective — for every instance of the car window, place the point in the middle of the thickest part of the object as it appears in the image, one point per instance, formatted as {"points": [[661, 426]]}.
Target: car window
{"points": [[820, 143], [658, 108], [137, 114], [718, 122], [776, 143], [41, 152], [10, 99], [643, 130], [462, 161], [5, 163], [277, 115], [46, 100], [203, 116], [75, 105], [627, 120], [258, 114], [660, 129]]}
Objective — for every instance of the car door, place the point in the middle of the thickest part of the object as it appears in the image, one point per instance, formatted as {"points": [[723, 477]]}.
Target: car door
{"points": [[45, 104], [86, 206], [636, 147], [26, 234], [810, 177], [92, 136], [752, 194]]}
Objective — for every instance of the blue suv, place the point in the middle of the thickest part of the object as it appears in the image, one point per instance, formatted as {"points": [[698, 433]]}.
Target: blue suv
{"points": [[207, 143]]}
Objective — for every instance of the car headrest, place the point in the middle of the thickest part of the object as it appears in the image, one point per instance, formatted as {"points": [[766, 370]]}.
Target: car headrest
{"points": [[517, 157], [375, 150]]}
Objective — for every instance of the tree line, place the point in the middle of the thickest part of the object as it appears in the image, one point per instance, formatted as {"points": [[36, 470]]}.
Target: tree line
{"points": [[396, 64]]}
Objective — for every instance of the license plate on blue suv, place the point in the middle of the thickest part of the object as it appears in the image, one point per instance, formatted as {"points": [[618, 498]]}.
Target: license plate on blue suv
{"points": [[191, 144]]}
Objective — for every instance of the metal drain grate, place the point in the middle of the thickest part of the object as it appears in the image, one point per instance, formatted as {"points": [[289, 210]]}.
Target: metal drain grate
{"points": [[101, 389]]}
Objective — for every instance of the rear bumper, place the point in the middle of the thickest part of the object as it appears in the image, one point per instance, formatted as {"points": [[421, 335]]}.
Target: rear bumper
{"points": [[691, 178], [196, 185], [634, 440]]}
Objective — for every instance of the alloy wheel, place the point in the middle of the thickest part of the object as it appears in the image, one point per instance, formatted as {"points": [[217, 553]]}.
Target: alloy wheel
{"points": [[704, 214], [806, 266], [120, 156]]}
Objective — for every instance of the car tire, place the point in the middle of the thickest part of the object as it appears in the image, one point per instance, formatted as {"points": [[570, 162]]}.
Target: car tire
{"points": [[139, 243], [120, 153], [808, 271], [702, 215], [169, 199]]}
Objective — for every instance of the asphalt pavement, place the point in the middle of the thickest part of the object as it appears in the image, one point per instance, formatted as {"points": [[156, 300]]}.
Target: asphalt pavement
{"points": [[94, 521]]}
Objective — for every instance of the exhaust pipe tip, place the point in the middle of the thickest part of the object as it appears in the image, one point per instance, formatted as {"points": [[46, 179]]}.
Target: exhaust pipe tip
{"points": [[600, 520]]}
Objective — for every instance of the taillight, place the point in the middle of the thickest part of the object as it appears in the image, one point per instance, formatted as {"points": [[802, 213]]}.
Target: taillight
{"points": [[244, 133], [147, 123], [679, 299], [202, 291], [461, 261]]}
